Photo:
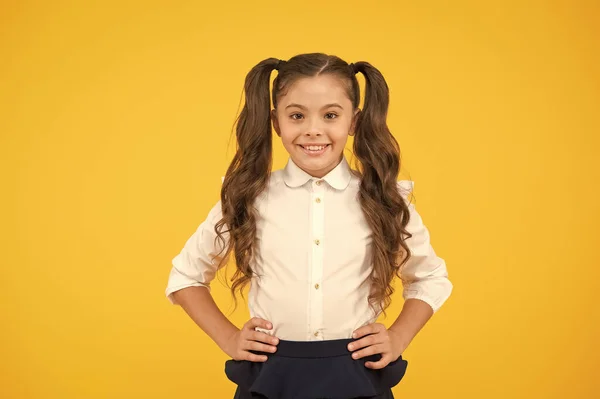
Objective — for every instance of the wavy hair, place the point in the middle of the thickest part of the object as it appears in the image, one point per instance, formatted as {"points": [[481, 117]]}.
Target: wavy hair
{"points": [[376, 150]]}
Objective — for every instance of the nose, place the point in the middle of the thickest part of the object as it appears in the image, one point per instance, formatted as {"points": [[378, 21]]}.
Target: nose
{"points": [[313, 133], [314, 127], [314, 130]]}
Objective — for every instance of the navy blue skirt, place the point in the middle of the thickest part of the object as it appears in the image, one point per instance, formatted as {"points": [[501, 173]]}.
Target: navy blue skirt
{"points": [[311, 370]]}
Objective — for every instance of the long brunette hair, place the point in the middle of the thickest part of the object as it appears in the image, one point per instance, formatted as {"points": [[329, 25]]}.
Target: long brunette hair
{"points": [[376, 150]]}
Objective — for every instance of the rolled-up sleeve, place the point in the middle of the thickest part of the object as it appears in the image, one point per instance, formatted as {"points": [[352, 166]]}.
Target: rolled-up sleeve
{"points": [[198, 261], [424, 276]]}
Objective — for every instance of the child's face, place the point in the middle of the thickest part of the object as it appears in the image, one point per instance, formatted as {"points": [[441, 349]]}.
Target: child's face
{"points": [[314, 119]]}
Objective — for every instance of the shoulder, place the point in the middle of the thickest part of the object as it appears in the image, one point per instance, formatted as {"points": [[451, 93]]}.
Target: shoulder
{"points": [[215, 213], [274, 185], [405, 187], [276, 177]]}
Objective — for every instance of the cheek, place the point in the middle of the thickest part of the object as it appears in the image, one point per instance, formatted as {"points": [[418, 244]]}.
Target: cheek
{"points": [[340, 134], [289, 132], [287, 138]]}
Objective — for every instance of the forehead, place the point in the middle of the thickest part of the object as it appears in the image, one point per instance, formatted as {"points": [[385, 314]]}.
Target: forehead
{"points": [[316, 90]]}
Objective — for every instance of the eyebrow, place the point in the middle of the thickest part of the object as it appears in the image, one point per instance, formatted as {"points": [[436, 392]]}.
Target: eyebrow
{"points": [[325, 106]]}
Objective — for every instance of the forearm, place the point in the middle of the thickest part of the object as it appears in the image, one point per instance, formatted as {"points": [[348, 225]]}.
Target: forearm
{"points": [[413, 317], [199, 304]]}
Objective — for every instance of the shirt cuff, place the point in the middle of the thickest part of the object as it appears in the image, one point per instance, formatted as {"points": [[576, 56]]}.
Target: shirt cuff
{"points": [[443, 291]]}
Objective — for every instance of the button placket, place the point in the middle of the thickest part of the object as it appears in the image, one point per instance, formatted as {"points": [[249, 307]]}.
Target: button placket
{"points": [[316, 291]]}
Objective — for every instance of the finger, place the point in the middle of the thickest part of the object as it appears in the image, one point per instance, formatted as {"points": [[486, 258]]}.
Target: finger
{"points": [[368, 351], [259, 347], [364, 342], [262, 337], [368, 329], [253, 357], [364, 330], [381, 363], [258, 322]]}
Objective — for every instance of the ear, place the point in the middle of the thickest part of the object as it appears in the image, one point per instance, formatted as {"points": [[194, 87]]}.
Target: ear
{"points": [[275, 122], [354, 120]]}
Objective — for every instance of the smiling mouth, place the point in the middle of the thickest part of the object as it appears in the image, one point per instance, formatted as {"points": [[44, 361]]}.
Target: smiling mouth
{"points": [[314, 149]]}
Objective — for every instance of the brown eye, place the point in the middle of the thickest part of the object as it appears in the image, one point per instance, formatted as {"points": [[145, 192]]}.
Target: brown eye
{"points": [[293, 115], [333, 115]]}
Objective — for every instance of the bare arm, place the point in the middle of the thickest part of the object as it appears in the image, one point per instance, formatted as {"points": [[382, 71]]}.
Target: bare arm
{"points": [[413, 317], [199, 304]]}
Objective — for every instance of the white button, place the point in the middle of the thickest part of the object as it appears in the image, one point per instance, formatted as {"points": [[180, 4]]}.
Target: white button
{"points": [[317, 241], [318, 182]]}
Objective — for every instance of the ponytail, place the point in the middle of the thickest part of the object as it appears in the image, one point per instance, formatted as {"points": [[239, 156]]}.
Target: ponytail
{"points": [[247, 175], [384, 208]]}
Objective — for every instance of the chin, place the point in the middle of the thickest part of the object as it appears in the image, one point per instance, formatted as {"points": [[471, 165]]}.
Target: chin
{"points": [[317, 166]]}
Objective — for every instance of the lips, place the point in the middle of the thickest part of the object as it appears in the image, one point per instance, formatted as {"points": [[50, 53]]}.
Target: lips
{"points": [[314, 149]]}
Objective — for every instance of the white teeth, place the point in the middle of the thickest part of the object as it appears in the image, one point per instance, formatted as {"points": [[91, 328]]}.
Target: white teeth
{"points": [[315, 148]]}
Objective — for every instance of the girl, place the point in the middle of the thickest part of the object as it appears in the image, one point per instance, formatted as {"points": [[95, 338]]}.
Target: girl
{"points": [[319, 242]]}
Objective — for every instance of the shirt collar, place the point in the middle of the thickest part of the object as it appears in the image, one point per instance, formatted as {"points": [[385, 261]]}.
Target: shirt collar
{"points": [[338, 178]]}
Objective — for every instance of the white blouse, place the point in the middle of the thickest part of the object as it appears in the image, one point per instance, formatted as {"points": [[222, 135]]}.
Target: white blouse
{"points": [[313, 257]]}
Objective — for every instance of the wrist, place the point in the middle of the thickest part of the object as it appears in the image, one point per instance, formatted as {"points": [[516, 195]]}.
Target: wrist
{"points": [[400, 340], [227, 341]]}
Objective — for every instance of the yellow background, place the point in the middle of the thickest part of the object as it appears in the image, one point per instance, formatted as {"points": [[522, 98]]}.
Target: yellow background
{"points": [[115, 130]]}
